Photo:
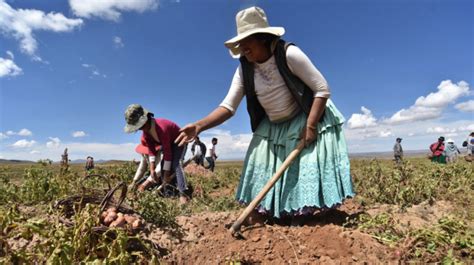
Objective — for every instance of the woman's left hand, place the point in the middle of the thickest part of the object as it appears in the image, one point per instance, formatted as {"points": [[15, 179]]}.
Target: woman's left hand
{"points": [[309, 135]]}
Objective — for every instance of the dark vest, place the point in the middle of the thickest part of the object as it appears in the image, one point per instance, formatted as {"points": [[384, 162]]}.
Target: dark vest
{"points": [[300, 91]]}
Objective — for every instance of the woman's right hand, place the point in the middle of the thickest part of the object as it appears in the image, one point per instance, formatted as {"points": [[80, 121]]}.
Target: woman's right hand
{"points": [[187, 134]]}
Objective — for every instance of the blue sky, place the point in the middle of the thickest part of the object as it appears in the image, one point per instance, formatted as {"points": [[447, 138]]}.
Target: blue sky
{"points": [[68, 70]]}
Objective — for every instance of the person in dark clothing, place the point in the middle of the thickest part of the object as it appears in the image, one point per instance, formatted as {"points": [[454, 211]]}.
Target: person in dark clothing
{"points": [[398, 151], [89, 163], [198, 149]]}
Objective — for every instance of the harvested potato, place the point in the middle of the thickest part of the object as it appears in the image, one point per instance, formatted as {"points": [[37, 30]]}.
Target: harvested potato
{"points": [[103, 215], [136, 224], [111, 216], [112, 209], [119, 222], [129, 218]]}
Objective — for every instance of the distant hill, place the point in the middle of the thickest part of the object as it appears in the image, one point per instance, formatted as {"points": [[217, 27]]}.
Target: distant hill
{"points": [[388, 155], [13, 161]]}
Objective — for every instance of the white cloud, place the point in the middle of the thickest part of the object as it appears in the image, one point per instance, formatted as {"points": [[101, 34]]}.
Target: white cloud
{"points": [[447, 93], [469, 128], [55, 142], [10, 54], [22, 132], [9, 68], [78, 134], [3, 136], [230, 146], [25, 132], [93, 70], [35, 152], [118, 43], [450, 131], [23, 143], [414, 113], [384, 134], [110, 9], [21, 23], [467, 106], [364, 120], [431, 106]]}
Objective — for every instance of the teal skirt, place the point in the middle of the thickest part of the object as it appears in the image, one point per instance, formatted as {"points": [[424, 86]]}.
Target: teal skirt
{"points": [[318, 178]]}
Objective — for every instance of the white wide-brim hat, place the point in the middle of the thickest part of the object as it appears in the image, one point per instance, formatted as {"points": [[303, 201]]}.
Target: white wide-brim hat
{"points": [[250, 21], [135, 116]]}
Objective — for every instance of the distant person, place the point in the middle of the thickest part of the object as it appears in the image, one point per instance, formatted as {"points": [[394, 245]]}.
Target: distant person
{"points": [[398, 150], [437, 151], [158, 131], [198, 149], [89, 163], [451, 151], [65, 158], [211, 155], [287, 101], [469, 144]]}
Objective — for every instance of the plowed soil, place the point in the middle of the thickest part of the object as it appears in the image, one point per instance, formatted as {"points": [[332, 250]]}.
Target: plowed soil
{"points": [[319, 239]]}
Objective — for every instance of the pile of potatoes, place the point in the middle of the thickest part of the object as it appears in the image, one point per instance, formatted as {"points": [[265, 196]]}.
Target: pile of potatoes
{"points": [[112, 218]]}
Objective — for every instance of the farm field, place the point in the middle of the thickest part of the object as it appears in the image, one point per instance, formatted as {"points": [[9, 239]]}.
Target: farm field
{"points": [[419, 211]]}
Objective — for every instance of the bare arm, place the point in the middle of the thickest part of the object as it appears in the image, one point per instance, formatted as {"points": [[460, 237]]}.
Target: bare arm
{"points": [[317, 110], [189, 132], [310, 133]]}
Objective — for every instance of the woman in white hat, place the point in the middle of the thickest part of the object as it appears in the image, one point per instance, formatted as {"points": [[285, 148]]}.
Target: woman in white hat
{"points": [[451, 151], [287, 100], [158, 132]]}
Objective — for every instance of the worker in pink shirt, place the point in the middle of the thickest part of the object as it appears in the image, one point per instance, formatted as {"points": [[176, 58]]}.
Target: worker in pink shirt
{"points": [[156, 132]]}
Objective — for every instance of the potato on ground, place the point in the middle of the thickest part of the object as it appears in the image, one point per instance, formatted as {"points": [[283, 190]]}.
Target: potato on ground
{"points": [[119, 222]]}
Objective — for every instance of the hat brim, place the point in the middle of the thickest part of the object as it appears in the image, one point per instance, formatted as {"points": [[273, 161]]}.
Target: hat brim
{"points": [[131, 128], [141, 149], [232, 44]]}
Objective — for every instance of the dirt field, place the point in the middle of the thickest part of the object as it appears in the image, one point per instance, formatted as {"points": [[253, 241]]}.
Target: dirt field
{"points": [[419, 217]]}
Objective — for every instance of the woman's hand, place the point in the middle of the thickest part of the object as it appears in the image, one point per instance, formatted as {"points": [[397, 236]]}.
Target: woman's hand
{"points": [[309, 135], [187, 134]]}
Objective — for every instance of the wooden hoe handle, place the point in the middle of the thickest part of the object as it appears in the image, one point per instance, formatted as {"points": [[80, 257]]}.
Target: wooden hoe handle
{"points": [[235, 228]]}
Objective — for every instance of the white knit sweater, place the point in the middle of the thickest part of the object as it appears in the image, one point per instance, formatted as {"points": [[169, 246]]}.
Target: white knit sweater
{"points": [[271, 90]]}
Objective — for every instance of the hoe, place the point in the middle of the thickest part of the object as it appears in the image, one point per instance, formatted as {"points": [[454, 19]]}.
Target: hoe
{"points": [[235, 228]]}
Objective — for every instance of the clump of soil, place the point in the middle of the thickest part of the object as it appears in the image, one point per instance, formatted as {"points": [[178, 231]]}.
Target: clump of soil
{"points": [[415, 217], [197, 170]]}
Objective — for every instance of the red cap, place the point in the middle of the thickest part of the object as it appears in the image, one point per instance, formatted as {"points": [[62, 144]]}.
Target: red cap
{"points": [[142, 149]]}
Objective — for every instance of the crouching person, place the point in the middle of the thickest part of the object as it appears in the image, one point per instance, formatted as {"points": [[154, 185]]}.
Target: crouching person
{"points": [[155, 132]]}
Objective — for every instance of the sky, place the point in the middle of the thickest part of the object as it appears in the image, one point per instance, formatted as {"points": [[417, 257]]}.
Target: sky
{"points": [[69, 69]]}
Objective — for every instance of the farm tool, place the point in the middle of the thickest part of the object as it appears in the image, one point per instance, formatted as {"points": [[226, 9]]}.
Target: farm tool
{"points": [[235, 228]]}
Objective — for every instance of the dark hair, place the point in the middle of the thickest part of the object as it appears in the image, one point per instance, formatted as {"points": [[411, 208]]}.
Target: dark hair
{"points": [[266, 38], [214, 139]]}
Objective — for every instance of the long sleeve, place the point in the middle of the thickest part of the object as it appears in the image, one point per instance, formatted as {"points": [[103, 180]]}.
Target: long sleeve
{"points": [[235, 94], [301, 66]]}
